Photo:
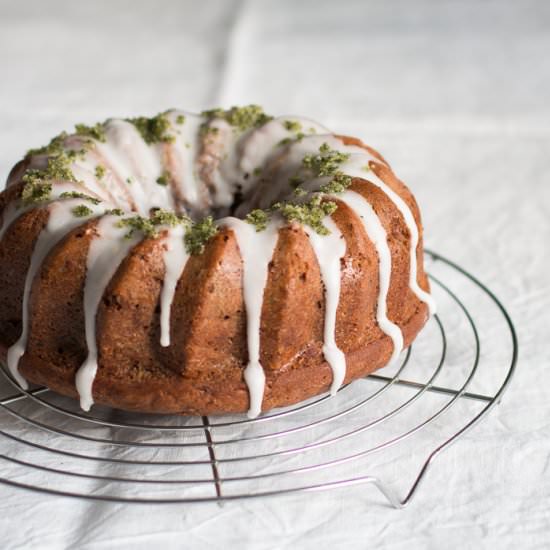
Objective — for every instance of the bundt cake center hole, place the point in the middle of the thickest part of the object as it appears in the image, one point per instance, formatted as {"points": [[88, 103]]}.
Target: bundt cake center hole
{"points": [[240, 207]]}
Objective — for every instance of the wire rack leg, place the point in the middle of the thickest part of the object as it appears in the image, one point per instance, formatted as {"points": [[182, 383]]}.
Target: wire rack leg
{"points": [[212, 455]]}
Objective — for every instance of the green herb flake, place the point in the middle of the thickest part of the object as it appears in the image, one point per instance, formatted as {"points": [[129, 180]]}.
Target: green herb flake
{"points": [[241, 118], [207, 130], [97, 131], [217, 112], [36, 192], [338, 184], [76, 195], [166, 217], [327, 162], [81, 211], [296, 139], [258, 218], [138, 223], [76, 154], [285, 141], [164, 178], [198, 234], [180, 119], [153, 130], [114, 212], [100, 171], [59, 168], [310, 213], [292, 125], [38, 185]]}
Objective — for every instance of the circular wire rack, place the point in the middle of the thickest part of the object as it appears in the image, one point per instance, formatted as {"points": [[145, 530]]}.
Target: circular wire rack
{"points": [[385, 430]]}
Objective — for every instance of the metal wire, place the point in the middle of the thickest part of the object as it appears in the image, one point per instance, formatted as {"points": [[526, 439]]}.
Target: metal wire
{"points": [[282, 452]]}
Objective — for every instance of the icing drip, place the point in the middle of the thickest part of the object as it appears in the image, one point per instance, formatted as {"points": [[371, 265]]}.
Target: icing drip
{"points": [[60, 222], [10, 214], [175, 258], [330, 249], [107, 250], [256, 250], [377, 234]]}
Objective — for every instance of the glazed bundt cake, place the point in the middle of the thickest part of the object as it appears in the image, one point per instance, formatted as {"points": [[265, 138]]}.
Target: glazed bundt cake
{"points": [[205, 264]]}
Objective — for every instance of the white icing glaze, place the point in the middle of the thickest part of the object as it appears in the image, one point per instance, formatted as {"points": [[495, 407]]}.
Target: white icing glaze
{"points": [[222, 147], [108, 188], [256, 250], [137, 160], [377, 234], [106, 252], [119, 176], [60, 222], [175, 257], [185, 148], [330, 249]]}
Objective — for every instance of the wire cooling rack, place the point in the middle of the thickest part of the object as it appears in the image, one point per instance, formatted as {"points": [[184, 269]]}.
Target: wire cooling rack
{"points": [[385, 430]]}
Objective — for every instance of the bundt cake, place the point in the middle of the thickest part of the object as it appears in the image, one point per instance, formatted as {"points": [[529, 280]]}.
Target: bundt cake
{"points": [[206, 264]]}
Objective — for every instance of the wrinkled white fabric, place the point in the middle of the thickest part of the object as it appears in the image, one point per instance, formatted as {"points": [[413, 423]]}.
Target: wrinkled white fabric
{"points": [[456, 96]]}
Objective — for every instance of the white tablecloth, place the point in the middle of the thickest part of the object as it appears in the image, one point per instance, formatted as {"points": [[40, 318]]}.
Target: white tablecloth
{"points": [[455, 95]]}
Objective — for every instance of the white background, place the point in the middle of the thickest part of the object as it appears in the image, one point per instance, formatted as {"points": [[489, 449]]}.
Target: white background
{"points": [[455, 94]]}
